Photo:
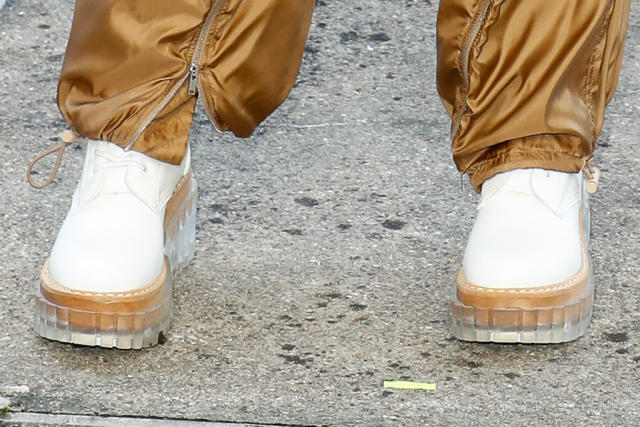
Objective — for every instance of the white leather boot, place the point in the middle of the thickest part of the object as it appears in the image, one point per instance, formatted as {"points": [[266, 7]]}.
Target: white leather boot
{"points": [[526, 274], [131, 226]]}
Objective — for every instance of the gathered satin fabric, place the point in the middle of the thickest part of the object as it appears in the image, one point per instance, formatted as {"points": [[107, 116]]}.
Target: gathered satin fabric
{"points": [[526, 82], [124, 58]]}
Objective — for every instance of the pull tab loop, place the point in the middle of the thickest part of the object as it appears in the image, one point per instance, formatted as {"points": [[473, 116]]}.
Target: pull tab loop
{"points": [[67, 138], [593, 175]]}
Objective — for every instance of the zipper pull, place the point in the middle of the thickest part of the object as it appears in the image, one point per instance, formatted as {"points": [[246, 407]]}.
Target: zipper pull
{"points": [[193, 79]]}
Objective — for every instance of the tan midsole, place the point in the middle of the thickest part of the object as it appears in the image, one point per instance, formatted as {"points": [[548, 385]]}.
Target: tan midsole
{"points": [[553, 295], [137, 300], [533, 297], [530, 307]]}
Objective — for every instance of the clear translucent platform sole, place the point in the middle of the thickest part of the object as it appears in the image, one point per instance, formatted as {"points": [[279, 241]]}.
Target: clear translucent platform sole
{"points": [[543, 325], [126, 329]]}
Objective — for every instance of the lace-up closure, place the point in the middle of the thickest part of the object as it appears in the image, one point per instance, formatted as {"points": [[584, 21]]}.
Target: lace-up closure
{"points": [[110, 161], [547, 187]]}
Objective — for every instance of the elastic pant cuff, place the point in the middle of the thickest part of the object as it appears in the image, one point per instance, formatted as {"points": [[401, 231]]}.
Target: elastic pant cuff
{"points": [[522, 159]]}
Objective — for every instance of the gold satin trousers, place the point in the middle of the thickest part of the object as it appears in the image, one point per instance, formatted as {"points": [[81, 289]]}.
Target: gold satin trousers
{"points": [[525, 82], [132, 69]]}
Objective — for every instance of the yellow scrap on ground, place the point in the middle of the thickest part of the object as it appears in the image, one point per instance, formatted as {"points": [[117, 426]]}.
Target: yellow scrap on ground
{"points": [[409, 385]]}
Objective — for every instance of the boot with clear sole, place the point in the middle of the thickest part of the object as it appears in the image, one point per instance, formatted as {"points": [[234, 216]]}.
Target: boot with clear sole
{"points": [[129, 231], [527, 274]]}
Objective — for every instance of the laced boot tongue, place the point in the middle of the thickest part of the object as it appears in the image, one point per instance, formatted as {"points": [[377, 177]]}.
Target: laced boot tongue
{"points": [[108, 172], [119, 171], [556, 190], [514, 181], [112, 164], [113, 180]]}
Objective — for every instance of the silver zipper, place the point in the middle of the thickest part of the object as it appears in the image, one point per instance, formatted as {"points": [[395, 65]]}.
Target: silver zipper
{"points": [[466, 53], [193, 79], [191, 75], [156, 111], [203, 35]]}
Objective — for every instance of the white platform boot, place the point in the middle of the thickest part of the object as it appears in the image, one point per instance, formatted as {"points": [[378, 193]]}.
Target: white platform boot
{"points": [[130, 228], [526, 274]]}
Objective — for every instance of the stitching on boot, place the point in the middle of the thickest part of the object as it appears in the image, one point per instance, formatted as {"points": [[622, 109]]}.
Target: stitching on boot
{"points": [[53, 284], [563, 285]]}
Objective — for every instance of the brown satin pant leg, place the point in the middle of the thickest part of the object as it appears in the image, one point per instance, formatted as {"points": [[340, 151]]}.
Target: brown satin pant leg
{"points": [[125, 58], [121, 60], [526, 82]]}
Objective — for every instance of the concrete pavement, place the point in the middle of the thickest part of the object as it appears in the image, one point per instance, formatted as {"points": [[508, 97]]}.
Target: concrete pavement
{"points": [[328, 244]]}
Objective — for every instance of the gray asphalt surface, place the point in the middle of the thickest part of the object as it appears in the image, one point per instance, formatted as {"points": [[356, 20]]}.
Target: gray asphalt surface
{"points": [[328, 245]]}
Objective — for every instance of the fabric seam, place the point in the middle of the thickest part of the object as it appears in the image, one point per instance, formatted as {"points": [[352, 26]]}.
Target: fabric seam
{"points": [[479, 19], [212, 36], [591, 80], [464, 36]]}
